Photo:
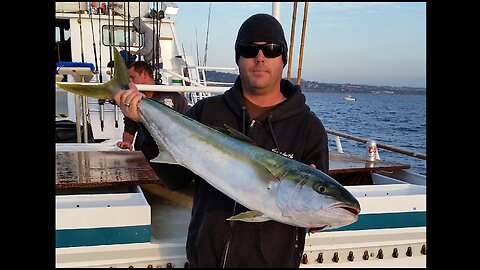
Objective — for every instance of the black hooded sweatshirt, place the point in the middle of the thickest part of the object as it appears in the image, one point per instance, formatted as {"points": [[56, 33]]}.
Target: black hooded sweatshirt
{"points": [[290, 129]]}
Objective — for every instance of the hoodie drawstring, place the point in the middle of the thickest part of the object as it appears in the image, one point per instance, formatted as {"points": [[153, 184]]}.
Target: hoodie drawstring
{"points": [[273, 134], [243, 119]]}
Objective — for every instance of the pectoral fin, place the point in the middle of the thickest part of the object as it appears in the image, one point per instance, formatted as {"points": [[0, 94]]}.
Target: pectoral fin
{"points": [[249, 216], [164, 157]]}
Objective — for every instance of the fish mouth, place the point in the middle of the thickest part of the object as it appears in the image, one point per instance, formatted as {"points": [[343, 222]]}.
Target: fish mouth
{"points": [[352, 210], [316, 229]]}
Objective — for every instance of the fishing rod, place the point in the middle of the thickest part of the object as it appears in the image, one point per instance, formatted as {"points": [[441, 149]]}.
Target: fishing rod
{"points": [[101, 102], [84, 98], [185, 69], [305, 12], [157, 20], [110, 43], [292, 37], [196, 41]]}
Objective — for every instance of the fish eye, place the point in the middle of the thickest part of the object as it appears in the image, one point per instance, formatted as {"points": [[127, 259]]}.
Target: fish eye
{"points": [[320, 188]]}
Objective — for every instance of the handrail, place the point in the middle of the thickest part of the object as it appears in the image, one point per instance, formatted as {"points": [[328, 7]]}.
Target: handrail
{"points": [[379, 145]]}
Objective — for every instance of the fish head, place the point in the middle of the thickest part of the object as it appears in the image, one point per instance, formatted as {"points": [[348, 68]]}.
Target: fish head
{"points": [[313, 199]]}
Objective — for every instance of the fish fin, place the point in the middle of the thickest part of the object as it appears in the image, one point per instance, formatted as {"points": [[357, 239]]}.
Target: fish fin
{"points": [[249, 216], [164, 157], [235, 133], [105, 90]]}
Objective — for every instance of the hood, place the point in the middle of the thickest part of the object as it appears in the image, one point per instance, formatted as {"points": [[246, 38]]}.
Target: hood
{"points": [[139, 25], [294, 104]]}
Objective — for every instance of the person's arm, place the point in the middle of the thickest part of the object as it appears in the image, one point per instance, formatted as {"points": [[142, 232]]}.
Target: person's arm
{"points": [[130, 129], [148, 43], [127, 141], [180, 104]]}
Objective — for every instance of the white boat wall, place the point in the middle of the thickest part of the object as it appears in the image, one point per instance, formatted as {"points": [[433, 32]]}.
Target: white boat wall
{"points": [[109, 215]]}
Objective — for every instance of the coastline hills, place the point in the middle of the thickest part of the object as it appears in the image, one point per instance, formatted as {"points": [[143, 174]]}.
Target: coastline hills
{"points": [[313, 86]]}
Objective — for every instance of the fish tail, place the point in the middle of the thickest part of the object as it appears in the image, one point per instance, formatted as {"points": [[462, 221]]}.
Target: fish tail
{"points": [[105, 90]]}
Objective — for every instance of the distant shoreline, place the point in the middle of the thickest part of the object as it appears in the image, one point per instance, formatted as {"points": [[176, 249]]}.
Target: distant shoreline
{"points": [[346, 88]]}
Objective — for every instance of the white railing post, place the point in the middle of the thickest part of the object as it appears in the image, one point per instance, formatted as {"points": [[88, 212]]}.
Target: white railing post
{"points": [[339, 144]]}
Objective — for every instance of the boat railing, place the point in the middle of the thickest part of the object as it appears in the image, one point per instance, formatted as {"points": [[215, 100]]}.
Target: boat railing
{"points": [[195, 83], [338, 144]]}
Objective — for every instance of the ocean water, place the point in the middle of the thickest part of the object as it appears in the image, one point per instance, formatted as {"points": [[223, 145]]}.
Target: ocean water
{"points": [[395, 120]]}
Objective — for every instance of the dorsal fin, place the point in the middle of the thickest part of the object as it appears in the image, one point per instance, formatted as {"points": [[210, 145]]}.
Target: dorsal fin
{"points": [[234, 133]]}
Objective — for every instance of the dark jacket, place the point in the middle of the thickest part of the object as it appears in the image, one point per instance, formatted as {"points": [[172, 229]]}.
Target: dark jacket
{"points": [[173, 99], [291, 129]]}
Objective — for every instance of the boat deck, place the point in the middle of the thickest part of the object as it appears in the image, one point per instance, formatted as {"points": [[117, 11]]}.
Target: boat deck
{"points": [[90, 169]]}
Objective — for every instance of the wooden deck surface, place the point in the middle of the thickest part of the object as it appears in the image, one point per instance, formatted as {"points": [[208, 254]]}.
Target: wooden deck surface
{"points": [[107, 168], [102, 169]]}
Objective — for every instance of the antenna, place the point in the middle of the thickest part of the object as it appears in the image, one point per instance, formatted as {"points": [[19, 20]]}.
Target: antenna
{"points": [[208, 29]]}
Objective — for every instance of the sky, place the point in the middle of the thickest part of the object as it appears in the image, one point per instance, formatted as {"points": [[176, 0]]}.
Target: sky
{"points": [[373, 43]]}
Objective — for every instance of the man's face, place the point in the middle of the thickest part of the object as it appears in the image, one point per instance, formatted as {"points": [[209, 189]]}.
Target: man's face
{"points": [[260, 73], [135, 77]]}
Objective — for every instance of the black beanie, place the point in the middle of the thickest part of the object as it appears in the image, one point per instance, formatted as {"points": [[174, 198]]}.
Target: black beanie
{"points": [[261, 28]]}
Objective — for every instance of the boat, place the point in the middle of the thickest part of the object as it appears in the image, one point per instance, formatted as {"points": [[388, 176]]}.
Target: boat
{"points": [[112, 211], [349, 98]]}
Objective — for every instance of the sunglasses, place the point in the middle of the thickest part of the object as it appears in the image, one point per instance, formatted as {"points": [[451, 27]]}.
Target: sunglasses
{"points": [[271, 50]]}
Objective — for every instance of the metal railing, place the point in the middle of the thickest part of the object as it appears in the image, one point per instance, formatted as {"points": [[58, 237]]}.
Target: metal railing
{"points": [[379, 145]]}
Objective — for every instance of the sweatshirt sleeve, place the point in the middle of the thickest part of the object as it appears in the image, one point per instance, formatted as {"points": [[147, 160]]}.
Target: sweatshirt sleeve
{"points": [[180, 104], [317, 146], [130, 126]]}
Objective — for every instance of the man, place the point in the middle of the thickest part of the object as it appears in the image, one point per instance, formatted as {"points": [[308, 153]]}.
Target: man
{"points": [[151, 48], [141, 72], [273, 113]]}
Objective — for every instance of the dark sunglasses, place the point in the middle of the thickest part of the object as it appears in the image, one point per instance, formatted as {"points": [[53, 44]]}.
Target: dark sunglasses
{"points": [[271, 50]]}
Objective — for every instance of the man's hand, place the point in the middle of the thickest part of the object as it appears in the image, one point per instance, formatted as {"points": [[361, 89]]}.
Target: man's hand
{"points": [[124, 145], [128, 100]]}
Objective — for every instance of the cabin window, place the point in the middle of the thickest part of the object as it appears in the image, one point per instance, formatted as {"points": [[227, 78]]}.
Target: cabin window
{"points": [[121, 36], [62, 41], [61, 34]]}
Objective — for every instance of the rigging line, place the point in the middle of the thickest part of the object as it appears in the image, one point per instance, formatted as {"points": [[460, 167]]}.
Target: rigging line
{"points": [[208, 30]]}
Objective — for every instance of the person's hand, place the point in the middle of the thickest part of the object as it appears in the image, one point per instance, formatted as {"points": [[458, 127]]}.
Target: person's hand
{"points": [[313, 166], [128, 100], [124, 145]]}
